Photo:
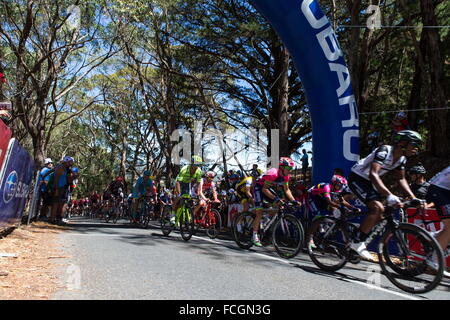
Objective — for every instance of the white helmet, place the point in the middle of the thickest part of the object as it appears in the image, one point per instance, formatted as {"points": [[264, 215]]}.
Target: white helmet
{"points": [[47, 161]]}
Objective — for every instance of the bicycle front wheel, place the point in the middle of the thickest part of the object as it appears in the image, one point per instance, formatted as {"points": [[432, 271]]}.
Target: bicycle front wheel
{"points": [[326, 242], [166, 226], [213, 222], [186, 223], [243, 230], [404, 255], [288, 236]]}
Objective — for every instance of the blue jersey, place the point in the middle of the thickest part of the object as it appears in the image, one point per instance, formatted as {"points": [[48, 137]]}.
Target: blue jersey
{"points": [[142, 187]]}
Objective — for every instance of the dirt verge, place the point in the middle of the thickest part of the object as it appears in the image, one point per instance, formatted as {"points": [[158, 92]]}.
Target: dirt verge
{"points": [[29, 258]]}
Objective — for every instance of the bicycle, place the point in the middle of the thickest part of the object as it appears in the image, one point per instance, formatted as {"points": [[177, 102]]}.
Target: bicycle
{"points": [[147, 211], [184, 218], [427, 225], [329, 238], [208, 219], [282, 229]]}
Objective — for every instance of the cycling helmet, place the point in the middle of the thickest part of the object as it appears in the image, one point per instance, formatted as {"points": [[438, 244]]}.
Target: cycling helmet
{"points": [[409, 136], [119, 179], [75, 170], [287, 163], [147, 173], [210, 174], [418, 169], [197, 160], [338, 183]]}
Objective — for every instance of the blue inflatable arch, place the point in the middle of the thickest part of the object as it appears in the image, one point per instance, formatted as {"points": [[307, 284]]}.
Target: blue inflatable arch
{"points": [[313, 45]]}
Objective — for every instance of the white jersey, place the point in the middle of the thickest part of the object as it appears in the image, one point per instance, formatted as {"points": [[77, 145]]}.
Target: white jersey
{"points": [[383, 155], [442, 179]]}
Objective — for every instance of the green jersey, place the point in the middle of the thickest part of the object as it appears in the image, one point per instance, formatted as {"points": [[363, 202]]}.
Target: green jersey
{"points": [[185, 175]]}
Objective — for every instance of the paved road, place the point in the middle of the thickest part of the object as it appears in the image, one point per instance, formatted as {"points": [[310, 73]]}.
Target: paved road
{"points": [[120, 262]]}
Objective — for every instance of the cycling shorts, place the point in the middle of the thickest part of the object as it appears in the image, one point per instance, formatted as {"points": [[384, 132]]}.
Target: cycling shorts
{"points": [[260, 197], [363, 188], [441, 199]]}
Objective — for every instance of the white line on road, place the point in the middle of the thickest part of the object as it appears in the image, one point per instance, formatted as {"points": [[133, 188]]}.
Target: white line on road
{"points": [[367, 285]]}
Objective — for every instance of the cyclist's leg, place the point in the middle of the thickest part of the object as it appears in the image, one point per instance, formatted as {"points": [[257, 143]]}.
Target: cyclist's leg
{"points": [[365, 191]]}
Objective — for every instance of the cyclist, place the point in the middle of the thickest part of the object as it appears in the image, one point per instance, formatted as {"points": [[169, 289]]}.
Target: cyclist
{"points": [[439, 193], [143, 186], [272, 178], [164, 200], [208, 190], [244, 192], [365, 181], [419, 185], [188, 175], [321, 198]]}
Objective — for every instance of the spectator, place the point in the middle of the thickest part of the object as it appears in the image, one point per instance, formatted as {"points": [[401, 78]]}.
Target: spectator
{"points": [[400, 122], [305, 163], [43, 179], [233, 178], [255, 172], [372, 138], [61, 178]]}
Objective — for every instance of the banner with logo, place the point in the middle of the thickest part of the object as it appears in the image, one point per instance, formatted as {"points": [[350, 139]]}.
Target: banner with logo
{"points": [[233, 210], [319, 60], [5, 136], [428, 220], [15, 180]]}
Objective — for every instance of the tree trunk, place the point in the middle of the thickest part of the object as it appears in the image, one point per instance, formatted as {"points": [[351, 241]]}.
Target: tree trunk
{"points": [[280, 97], [438, 125]]}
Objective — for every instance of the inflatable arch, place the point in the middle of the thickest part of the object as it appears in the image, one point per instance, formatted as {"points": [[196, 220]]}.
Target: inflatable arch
{"points": [[313, 45]]}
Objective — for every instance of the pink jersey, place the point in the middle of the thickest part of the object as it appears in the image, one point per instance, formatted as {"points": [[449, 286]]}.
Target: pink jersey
{"points": [[273, 177], [322, 190]]}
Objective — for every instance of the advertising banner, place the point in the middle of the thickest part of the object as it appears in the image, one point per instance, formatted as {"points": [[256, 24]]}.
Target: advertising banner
{"points": [[5, 136], [233, 210], [428, 220], [15, 180], [319, 60]]}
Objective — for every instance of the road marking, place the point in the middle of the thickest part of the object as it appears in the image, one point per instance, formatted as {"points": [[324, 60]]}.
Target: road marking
{"points": [[367, 285]]}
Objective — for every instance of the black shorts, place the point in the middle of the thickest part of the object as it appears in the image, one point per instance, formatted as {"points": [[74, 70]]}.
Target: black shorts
{"points": [[318, 203], [260, 197], [441, 199], [363, 188], [185, 188], [46, 199]]}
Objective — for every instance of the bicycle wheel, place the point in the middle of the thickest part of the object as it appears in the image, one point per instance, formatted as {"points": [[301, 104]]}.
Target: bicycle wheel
{"points": [[186, 223], [403, 255], [326, 242], [115, 215], [287, 236], [214, 221], [166, 226], [107, 216], [243, 230]]}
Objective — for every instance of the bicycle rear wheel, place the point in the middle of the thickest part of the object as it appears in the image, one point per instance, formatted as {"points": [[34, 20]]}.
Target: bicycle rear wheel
{"points": [[326, 242], [243, 230], [403, 255], [214, 221], [186, 223], [288, 236]]}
